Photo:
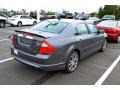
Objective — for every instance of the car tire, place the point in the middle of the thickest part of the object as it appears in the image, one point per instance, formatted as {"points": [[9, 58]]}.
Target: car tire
{"points": [[104, 46], [19, 24], [72, 62], [118, 39], [2, 24], [34, 23]]}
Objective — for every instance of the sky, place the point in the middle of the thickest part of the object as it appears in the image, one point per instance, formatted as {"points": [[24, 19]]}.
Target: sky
{"points": [[86, 6]]}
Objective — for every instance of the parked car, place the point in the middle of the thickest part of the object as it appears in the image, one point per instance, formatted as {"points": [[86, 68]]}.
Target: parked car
{"points": [[69, 15], [111, 28], [93, 20], [57, 44], [19, 20], [3, 20], [81, 16], [108, 17]]}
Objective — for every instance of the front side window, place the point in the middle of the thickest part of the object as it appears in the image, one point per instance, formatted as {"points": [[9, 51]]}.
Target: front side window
{"points": [[82, 29], [92, 28]]}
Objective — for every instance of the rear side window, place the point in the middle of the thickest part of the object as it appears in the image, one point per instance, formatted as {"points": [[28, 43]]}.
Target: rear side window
{"points": [[23, 17], [82, 29], [92, 28], [51, 26]]}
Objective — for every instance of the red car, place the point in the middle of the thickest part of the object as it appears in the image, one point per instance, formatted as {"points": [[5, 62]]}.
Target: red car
{"points": [[111, 28]]}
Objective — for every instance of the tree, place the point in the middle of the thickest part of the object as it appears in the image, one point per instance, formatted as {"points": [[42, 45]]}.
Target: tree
{"points": [[42, 12], [100, 12], [109, 10], [118, 13], [24, 12]]}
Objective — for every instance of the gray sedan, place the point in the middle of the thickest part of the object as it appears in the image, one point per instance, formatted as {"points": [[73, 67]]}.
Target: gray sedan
{"points": [[57, 44]]}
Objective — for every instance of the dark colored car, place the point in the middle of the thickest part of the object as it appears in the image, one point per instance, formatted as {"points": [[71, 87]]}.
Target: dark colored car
{"points": [[69, 15], [57, 44], [111, 28]]}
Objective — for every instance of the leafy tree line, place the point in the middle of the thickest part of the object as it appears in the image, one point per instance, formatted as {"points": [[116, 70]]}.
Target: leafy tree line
{"points": [[109, 10]]}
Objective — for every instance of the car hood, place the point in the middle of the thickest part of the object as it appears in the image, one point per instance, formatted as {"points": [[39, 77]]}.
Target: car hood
{"points": [[39, 33]]}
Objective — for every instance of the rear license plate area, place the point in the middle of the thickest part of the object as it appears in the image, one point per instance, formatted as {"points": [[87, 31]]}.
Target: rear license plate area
{"points": [[25, 41]]}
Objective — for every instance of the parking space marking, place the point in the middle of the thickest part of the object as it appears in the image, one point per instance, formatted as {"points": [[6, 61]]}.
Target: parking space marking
{"points": [[1, 40], [5, 60], [108, 71]]}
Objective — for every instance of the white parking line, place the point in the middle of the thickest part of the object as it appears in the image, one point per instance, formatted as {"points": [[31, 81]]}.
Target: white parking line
{"points": [[3, 40], [108, 71], [5, 60]]}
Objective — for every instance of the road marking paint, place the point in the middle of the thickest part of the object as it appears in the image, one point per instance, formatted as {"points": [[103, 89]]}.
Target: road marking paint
{"points": [[3, 40], [5, 60], [108, 71]]}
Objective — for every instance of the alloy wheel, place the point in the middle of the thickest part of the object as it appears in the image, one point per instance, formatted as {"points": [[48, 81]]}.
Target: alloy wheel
{"points": [[72, 62]]}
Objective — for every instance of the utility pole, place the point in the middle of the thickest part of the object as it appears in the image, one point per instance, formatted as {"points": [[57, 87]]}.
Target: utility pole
{"points": [[38, 15]]}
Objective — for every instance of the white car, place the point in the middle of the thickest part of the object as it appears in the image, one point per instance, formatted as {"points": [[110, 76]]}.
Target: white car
{"points": [[92, 20], [19, 20]]}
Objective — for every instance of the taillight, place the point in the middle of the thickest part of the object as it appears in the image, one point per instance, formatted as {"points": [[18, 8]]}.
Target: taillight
{"points": [[12, 39], [46, 48]]}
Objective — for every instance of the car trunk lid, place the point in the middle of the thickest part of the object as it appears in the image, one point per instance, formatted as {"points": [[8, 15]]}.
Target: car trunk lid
{"points": [[29, 41]]}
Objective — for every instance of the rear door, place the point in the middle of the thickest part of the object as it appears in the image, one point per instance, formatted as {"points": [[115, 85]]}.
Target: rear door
{"points": [[29, 20], [23, 20], [96, 37], [26, 20], [84, 39]]}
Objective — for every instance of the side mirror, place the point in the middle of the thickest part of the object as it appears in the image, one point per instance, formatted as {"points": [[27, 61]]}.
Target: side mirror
{"points": [[77, 34], [100, 31]]}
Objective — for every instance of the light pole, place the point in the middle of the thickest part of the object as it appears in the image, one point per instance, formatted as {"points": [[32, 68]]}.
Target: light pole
{"points": [[38, 15]]}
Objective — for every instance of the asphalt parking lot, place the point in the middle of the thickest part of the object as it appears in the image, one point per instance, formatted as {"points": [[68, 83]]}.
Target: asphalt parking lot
{"points": [[88, 72]]}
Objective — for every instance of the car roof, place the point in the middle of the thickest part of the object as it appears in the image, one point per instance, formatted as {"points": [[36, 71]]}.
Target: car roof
{"points": [[111, 20], [72, 21]]}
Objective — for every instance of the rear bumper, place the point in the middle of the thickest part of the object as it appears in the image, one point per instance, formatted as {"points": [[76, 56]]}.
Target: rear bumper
{"points": [[112, 36], [42, 62]]}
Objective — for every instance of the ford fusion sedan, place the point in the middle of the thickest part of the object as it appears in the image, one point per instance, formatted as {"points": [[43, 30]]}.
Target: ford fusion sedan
{"points": [[19, 20], [57, 44], [111, 28]]}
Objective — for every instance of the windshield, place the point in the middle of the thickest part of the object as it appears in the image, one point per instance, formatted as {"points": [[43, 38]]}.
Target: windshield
{"points": [[108, 23], [51, 26], [108, 16]]}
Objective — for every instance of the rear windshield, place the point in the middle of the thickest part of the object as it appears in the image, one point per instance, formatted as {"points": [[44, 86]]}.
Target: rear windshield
{"points": [[108, 23], [51, 26]]}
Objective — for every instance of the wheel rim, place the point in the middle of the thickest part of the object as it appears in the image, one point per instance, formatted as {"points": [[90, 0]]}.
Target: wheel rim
{"points": [[105, 45], [34, 23], [1, 24], [73, 62], [118, 39], [19, 24]]}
